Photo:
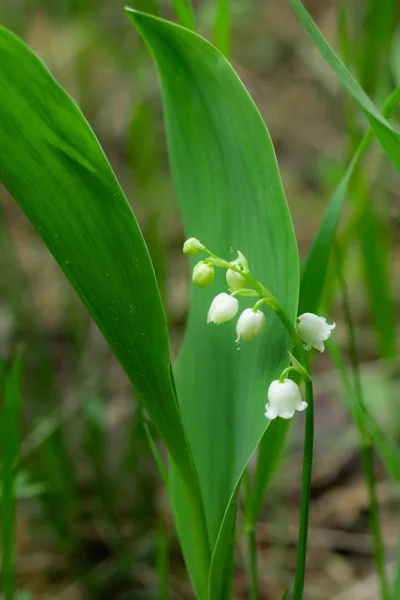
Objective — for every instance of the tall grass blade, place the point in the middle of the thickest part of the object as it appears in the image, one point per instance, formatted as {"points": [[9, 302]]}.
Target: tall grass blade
{"points": [[222, 27], [10, 441], [316, 264], [184, 12], [387, 136], [375, 258]]}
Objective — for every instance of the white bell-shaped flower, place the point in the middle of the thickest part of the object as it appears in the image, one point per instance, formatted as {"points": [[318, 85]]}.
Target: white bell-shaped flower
{"points": [[192, 246], [223, 308], [203, 274], [250, 324], [284, 399], [235, 280], [314, 331]]}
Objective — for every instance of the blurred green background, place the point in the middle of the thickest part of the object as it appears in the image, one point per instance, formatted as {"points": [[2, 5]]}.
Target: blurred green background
{"points": [[92, 517]]}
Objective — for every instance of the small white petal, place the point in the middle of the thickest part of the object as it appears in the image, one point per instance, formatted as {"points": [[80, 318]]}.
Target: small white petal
{"points": [[301, 406], [271, 412], [287, 415]]}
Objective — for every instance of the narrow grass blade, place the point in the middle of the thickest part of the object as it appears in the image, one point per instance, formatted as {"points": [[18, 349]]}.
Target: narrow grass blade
{"points": [[184, 12], [162, 555], [156, 453], [387, 136], [375, 258], [316, 264], [228, 185], [10, 441], [222, 27], [388, 452], [396, 580]]}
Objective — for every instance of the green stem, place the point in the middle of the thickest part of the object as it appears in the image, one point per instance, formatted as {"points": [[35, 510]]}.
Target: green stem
{"points": [[267, 298], [367, 450], [286, 372], [162, 555], [305, 494], [307, 463], [367, 457], [251, 540]]}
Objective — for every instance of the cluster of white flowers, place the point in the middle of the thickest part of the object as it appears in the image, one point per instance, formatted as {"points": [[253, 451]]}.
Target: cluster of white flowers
{"points": [[284, 397], [225, 306]]}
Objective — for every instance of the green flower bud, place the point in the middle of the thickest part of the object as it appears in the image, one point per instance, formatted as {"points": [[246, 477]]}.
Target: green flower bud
{"points": [[235, 281], [192, 246], [203, 274]]}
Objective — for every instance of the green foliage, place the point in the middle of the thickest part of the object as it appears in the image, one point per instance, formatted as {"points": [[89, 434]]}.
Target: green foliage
{"points": [[231, 197], [54, 168], [387, 136]]}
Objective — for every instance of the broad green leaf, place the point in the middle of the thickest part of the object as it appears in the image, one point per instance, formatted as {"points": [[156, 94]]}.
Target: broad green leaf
{"points": [[387, 136], [53, 166], [231, 197]]}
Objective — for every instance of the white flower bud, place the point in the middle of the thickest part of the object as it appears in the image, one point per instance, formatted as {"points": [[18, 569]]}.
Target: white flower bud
{"points": [[284, 399], [192, 246], [223, 308], [235, 281], [250, 324], [203, 274], [313, 331]]}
